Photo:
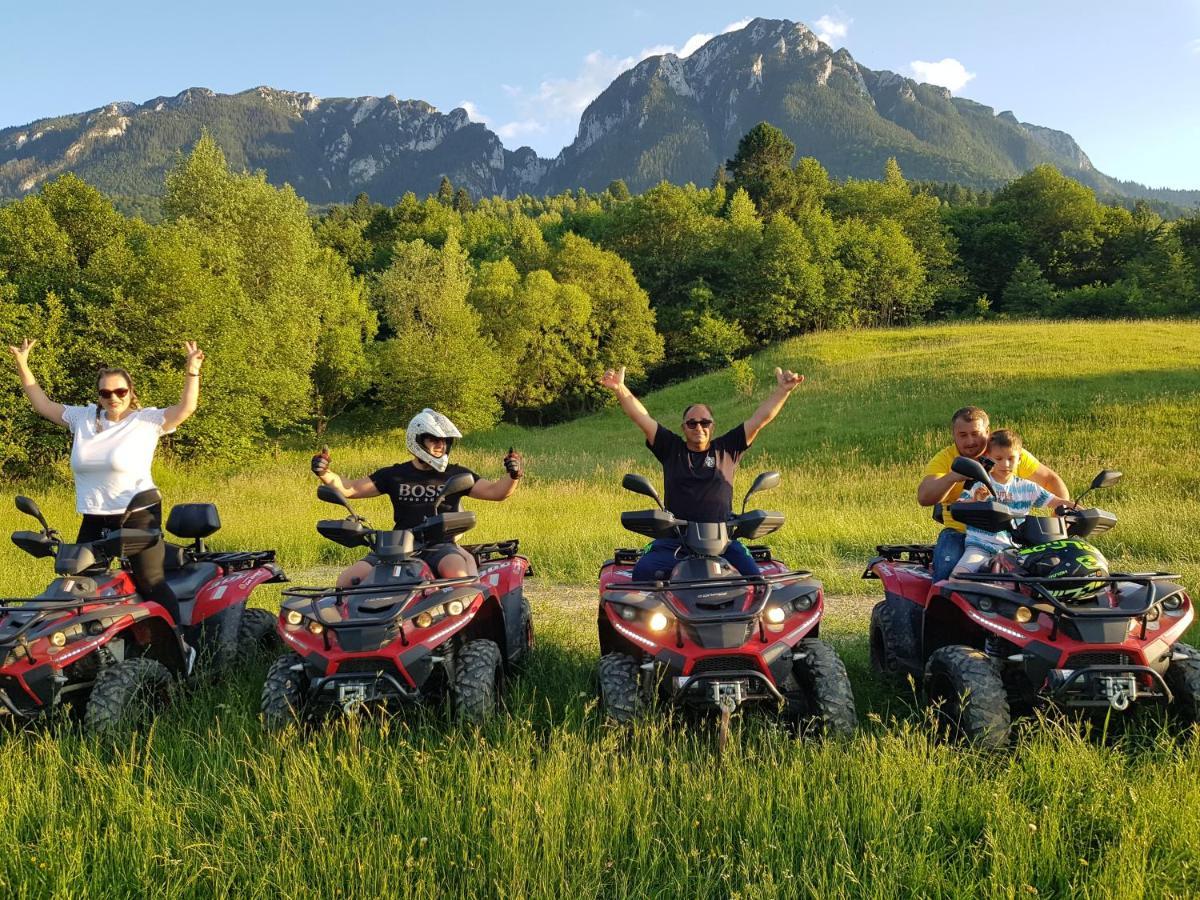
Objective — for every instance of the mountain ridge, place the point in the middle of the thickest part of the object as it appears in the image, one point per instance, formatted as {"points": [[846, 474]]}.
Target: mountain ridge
{"points": [[667, 117]]}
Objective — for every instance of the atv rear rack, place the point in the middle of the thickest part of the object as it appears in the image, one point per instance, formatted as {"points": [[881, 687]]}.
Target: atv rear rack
{"points": [[486, 553], [237, 561], [915, 554]]}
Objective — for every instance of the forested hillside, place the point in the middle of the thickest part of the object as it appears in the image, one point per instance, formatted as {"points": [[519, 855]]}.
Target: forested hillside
{"points": [[511, 308]]}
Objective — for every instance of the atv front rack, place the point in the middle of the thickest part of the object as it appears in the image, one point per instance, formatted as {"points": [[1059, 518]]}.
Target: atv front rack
{"points": [[43, 609], [767, 582], [1045, 601]]}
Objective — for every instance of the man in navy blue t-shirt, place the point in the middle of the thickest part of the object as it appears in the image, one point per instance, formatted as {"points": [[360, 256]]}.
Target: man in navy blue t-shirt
{"points": [[698, 469]]}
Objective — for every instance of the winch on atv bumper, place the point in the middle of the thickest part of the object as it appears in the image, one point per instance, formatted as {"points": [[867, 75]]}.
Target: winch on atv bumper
{"points": [[1112, 686]]}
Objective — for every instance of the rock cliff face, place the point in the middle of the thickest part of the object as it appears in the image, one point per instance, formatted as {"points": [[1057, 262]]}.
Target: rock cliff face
{"points": [[328, 149], [666, 118]]}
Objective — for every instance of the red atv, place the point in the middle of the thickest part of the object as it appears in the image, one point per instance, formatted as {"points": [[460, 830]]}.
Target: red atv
{"points": [[90, 644], [710, 638], [402, 635], [1045, 624]]}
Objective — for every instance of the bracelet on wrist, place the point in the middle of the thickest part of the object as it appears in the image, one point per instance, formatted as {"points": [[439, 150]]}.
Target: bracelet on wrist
{"points": [[192, 374]]}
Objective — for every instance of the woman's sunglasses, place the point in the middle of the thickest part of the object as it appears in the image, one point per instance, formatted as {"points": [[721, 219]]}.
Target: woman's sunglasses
{"points": [[119, 393]]}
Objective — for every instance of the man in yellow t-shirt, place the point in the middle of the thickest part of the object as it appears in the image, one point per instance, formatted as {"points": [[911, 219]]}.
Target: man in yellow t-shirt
{"points": [[971, 429]]}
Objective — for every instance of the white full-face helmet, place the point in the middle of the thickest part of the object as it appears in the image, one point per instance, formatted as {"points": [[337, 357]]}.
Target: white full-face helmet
{"points": [[428, 422]]}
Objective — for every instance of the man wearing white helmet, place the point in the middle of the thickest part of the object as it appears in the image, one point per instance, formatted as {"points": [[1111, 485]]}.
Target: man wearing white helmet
{"points": [[414, 487]]}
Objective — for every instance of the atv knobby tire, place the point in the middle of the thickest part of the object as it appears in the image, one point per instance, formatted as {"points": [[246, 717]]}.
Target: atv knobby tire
{"points": [[284, 693], [1183, 678], [126, 694], [476, 685], [256, 634], [968, 696], [825, 686], [891, 642], [620, 698], [527, 636]]}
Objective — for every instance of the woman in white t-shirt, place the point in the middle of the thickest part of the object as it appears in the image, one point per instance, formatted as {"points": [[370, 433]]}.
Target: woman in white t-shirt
{"points": [[113, 443]]}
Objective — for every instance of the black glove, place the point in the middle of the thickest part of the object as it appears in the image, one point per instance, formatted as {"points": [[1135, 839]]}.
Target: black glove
{"points": [[512, 464], [320, 462]]}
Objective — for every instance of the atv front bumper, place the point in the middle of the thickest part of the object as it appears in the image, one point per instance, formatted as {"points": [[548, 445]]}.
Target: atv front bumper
{"points": [[1115, 687]]}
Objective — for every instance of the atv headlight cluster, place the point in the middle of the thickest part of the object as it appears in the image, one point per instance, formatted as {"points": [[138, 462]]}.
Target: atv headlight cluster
{"points": [[1020, 614], [654, 619], [295, 618], [59, 639], [1174, 603], [427, 617]]}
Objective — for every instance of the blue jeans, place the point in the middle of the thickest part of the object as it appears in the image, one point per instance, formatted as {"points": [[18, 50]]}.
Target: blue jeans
{"points": [[947, 552], [661, 558]]}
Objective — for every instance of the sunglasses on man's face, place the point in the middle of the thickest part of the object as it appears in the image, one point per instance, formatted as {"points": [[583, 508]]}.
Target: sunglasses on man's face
{"points": [[119, 393], [698, 423]]}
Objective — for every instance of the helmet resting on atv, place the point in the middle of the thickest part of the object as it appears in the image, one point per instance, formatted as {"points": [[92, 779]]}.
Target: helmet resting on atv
{"points": [[428, 423], [1069, 559]]}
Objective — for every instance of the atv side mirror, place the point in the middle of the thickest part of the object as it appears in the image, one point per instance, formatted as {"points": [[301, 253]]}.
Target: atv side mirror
{"points": [[330, 494], [766, 481], [142, 501], [1106, 478], [27, 506], [639, 484], [972, 470], [455, 486]]}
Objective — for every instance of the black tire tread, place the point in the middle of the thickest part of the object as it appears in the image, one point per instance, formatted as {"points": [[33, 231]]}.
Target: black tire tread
{"points": [[114, 698], [1183, 678], [889, 644], [620, 698], [984, 717], [823, 678], [256, 634], [476, 681], [283, 693]]}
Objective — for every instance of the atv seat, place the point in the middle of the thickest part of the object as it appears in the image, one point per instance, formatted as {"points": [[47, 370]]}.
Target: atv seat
{"points": [[186, 582]]}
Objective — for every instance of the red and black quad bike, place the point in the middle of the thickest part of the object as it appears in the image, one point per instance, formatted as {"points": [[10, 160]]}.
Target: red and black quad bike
{"points": [[1047, 624], [402, 635], [89, 644], [709, 638]]}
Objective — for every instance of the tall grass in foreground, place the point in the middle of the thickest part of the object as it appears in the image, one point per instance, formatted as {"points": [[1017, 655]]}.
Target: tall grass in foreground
{"points": [[546, 802]]}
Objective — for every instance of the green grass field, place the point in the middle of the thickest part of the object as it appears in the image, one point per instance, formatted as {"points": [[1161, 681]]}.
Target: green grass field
{"points": [[547, 801]]}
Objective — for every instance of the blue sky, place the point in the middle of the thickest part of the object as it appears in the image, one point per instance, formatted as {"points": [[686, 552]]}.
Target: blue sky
{"points": [[1123, 79]]}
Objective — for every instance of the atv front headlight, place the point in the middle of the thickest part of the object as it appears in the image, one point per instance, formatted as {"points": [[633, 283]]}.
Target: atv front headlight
{"points": [[454, 607], [1023, 614], [315, 627], [293, 617], [1153, 614], [1174, 602], [58, 639], [658, 621], [803, 603], [775, 614], [423, 620]]}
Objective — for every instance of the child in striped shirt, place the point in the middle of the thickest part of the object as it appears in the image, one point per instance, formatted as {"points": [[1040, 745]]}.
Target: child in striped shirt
{"points": [[1018, 494]]}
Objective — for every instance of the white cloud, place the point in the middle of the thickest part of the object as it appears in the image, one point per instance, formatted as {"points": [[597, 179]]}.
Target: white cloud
{"points": [[830, 29], [473, 112], [949, 73], [736, 26], [521, 128], [1194, 46]]}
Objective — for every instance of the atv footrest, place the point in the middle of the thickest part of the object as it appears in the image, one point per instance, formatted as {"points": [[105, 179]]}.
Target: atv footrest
{"points": [[919, 554]]}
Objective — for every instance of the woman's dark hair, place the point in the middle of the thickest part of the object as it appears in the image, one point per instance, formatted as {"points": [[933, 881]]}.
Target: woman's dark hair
{"points": [[104, 372]]}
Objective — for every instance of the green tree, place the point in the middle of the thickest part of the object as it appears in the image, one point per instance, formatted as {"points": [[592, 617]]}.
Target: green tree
{"points": [[445, 191], [762, 166], [437, 355], [1028, 292], [618, 190]]}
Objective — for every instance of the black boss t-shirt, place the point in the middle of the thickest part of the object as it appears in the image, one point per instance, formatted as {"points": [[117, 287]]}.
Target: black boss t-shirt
{"points": [[413, 491], [699, 484]]}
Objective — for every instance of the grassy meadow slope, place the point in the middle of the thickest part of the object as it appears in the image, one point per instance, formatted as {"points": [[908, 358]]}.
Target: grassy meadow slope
{"points": [[547, 802]]}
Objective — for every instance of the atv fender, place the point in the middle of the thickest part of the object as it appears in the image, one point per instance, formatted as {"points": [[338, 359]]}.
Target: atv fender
{"points": [[945, 624]]}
